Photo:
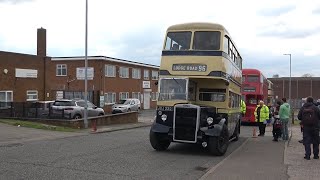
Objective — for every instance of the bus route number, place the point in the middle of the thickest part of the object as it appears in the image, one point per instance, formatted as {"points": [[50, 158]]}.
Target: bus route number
{"points": [[189, 67]]}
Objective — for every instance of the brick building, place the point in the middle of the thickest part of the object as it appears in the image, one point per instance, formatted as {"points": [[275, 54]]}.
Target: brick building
{"points": [[27, 77], [301, 87], [113, 79]]}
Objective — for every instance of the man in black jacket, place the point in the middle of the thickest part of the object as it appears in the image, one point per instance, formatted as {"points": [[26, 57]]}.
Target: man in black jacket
{"points": [[309, 115]]}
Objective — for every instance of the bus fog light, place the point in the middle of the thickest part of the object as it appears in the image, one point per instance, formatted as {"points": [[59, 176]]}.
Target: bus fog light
{"points": [[204, 144], [209, 120], [164, 117]]}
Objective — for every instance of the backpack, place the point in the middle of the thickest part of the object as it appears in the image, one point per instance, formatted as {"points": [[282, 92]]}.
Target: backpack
{"points": [[277, 124], [308, 116]]}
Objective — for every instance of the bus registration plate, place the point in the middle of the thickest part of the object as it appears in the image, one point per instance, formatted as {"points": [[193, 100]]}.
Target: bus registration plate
{"points": [[189, 67]]}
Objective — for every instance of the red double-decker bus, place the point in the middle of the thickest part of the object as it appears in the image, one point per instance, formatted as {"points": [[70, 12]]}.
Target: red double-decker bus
{"points": [[254, 89]]}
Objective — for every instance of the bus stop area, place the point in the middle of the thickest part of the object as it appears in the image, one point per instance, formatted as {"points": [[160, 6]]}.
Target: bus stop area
{"points": [[261, 158]]}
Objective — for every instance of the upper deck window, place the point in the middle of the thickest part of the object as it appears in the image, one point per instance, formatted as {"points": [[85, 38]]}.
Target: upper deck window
{"points": [[253, 78], [177, 41], [206, 40]]}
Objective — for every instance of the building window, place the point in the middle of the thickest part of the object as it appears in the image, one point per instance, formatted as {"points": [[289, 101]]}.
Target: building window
{"points": [[5, 98], [124, 72], [110, 71], [32, 95], [136, 95], [154, 96], [110, 98], [123, 95], [155, 75], [61, 70], [136, 73], [146, 74]]}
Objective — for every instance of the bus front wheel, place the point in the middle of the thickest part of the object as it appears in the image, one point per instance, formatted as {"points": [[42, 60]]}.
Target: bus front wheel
{"points": [[218, 145], [158, 142]]}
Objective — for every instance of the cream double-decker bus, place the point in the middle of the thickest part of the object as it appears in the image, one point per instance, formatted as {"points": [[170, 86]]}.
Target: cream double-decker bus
{"points": [[199, 88]]}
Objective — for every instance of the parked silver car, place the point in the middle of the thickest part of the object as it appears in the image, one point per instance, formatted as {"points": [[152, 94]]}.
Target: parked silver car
{"points": [[75, 109], [126, 105], [39, 109]]}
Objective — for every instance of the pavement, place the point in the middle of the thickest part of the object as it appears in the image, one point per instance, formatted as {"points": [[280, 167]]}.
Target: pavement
{"points": [[298, 167], [257, 158], [14, 135], [261, 158]]}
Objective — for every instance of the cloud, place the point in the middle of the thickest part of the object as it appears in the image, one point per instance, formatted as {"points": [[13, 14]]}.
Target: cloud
{"points": [[276, 11], [316, 11], [282, 31], [15, 1], [280, 64]]}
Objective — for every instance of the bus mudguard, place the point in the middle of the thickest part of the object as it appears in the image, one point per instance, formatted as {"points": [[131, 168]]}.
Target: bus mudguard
{"points": [[159, 128], [215, 130]]}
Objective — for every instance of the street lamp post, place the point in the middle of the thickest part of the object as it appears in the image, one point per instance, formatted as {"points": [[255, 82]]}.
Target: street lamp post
{"points": [[86, 69], [290, 87]]}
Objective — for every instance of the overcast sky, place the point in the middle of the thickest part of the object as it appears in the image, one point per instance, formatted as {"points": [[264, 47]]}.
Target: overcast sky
{"points": [[263, 30]]}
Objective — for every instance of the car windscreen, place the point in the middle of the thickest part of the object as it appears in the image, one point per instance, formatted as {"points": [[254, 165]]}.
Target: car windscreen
{"points": [[125, 102], [64, 103]]}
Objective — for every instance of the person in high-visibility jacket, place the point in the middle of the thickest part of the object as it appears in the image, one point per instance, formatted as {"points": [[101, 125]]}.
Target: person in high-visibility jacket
{"points": [[261, 115], [243, 108]]}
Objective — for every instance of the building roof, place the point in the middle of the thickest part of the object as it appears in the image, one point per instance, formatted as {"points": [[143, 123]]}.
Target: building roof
{"points": [[103, 58], [295, 78]]}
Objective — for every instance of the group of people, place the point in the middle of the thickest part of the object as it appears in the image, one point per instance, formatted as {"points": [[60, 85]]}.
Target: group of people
{"points": [[280, 118], [309, 115]]}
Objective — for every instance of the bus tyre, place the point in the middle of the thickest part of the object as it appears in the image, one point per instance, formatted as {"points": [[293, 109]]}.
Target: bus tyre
{"points": [[236, 133], [218, 145], [157, 142]]}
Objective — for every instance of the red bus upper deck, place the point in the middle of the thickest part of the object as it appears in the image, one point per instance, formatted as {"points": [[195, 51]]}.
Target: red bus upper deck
{"points": [[254, 89]]}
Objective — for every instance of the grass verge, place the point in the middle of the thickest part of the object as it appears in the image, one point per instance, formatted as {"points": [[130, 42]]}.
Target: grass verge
{"points": [[36, 125]]}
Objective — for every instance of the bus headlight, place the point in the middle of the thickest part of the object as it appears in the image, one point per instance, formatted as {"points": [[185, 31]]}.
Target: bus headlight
{"points": [[209, 120], [164, 117]]}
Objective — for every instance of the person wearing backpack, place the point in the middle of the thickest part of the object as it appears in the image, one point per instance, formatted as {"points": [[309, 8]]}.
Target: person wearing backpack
{"points": [[309, 115], [284, 113]]}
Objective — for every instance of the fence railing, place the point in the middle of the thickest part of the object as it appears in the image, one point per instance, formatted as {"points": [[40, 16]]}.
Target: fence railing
{"points": [[31, 110]]}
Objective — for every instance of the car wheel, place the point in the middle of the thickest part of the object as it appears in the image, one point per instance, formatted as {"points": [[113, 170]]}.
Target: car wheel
{"points": [[218, 145], [77, 116], [101, 114], [129, 110], [158, 142]]}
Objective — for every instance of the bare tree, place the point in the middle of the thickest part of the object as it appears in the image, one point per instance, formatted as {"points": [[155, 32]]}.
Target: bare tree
{"points": [[307, 75]]}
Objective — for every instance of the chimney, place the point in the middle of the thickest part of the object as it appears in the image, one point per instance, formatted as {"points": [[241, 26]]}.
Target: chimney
{"points": [[41, 42]]}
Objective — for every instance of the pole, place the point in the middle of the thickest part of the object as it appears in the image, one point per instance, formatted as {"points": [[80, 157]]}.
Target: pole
{"points": [[86, 69], [290, 101], [292, 113]]}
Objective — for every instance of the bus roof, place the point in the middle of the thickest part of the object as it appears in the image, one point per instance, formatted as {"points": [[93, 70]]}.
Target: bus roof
{"points": [[197, 25], [251, 71]]}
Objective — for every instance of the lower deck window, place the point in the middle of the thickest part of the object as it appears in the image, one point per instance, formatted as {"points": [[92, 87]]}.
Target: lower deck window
{"points": [[213, 95]]}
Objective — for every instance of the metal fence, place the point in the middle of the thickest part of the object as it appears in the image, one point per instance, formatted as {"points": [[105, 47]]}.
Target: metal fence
{"points": [[30, 110]]}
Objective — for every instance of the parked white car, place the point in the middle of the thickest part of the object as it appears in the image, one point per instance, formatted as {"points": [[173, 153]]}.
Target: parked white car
{"points": [[126, 105]]}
